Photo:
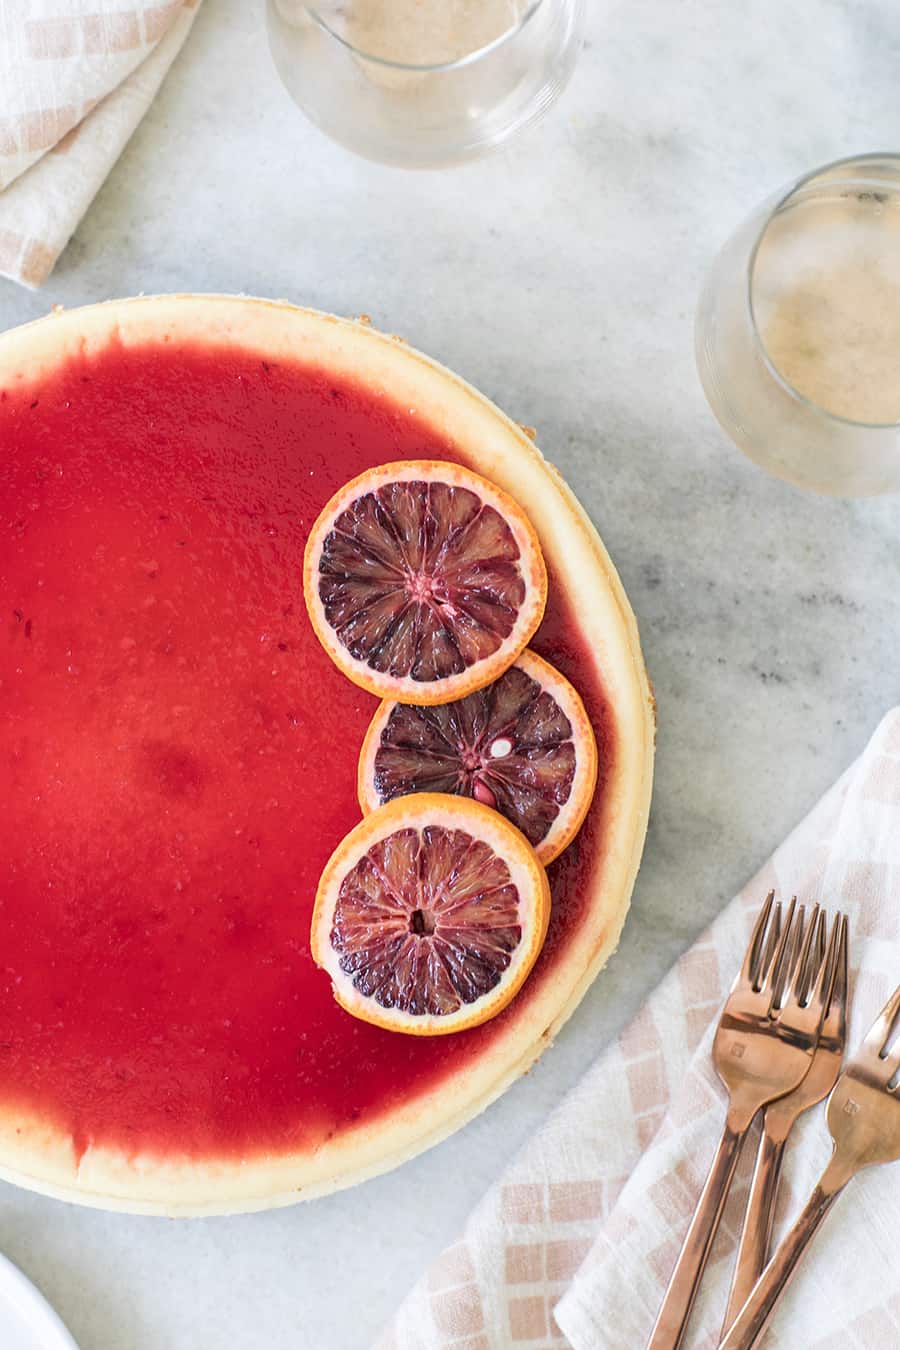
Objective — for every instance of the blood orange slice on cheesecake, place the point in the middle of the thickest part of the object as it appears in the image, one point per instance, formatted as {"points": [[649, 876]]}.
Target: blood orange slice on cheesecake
{"points": [[423, 581], [180, 753], [430, 915], [523, 745]]}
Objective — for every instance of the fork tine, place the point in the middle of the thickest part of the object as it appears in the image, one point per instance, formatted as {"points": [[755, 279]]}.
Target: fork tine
{"points": [[752, 955], [770, 946], [835, 1023], [772, 974], [807, 959], [790, 972], [813, 951], [819, 967], [878, 1037], [823, 979]]}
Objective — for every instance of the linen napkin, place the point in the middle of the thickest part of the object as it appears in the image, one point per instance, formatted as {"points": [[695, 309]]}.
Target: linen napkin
{"points": [[76, 77], [575, 1244]]}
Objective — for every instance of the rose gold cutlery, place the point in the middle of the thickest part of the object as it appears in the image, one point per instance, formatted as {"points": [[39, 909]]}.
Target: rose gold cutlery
{"points": [[864, 1120], [764, 1046], [779, 1119]]}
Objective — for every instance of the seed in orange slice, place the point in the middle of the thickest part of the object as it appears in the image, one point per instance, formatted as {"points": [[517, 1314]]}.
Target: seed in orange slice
{"points": [[423, 581], [523, 745], [430, 915]]}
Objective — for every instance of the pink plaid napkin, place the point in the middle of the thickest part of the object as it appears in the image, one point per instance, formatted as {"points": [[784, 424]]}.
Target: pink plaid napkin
{"points": [[575, 1243], [76, 77]]}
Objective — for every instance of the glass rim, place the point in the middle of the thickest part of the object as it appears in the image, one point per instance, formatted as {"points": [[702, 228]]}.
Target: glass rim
{"points": [[783, 198], [427, 67]]}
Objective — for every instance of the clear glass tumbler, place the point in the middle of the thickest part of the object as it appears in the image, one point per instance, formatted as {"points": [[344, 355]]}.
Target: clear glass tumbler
{"points": [[798, 330], [424, 83]]}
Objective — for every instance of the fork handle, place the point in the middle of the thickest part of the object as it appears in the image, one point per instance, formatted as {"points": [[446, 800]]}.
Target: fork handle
{"points": [[672, 1320], [753, 1317], [756, 1234]]}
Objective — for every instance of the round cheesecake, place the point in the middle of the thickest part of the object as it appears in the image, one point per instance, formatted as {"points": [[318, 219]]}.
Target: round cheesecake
{"points": [[179, 756]]}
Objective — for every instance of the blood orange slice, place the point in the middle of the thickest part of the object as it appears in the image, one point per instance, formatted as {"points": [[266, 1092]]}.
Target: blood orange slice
{"points": [[423, 581], [430, 915], [523, 745]]}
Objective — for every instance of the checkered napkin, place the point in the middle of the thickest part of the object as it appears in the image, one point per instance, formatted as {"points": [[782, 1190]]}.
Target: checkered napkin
{"points": [[575, 1244], [76, 77]]}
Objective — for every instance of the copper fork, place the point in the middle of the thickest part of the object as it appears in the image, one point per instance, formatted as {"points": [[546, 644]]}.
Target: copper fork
{"points": [[763, 1047], [864, 1120], [779, 1119]]}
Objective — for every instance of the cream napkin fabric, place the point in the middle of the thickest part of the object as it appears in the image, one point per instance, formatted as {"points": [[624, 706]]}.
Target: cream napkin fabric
{"points": [[76, 77], [575, 1244]]}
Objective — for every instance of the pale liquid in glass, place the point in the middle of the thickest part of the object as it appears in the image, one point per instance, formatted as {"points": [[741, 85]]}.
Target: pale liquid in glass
{"points": [[424, 82], [421, 32], [826, 298]]}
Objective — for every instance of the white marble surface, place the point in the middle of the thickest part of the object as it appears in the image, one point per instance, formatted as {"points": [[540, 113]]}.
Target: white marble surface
{"points": [[561, 278]]}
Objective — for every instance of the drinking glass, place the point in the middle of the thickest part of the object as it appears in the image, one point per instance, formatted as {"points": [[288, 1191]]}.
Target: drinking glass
{"points": [[798, 330], [424, 83]]}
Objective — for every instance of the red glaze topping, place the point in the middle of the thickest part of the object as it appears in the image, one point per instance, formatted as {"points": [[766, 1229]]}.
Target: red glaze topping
{"points": [[178, 756]]}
